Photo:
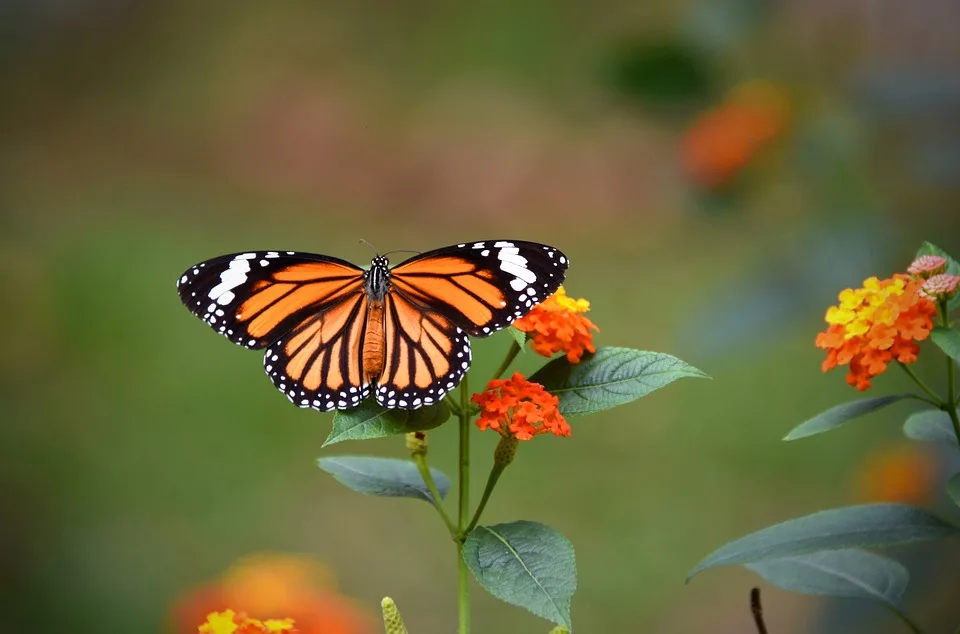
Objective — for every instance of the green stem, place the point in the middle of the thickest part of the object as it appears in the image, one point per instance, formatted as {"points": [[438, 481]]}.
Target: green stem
{"points": [[919, 381], [463, 509], [511, 355], [491, 483], [421, 462], [907, 620], [951, 404]]}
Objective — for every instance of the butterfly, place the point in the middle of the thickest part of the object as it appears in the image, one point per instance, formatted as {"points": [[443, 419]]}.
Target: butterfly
{"points": [[334, 333]]}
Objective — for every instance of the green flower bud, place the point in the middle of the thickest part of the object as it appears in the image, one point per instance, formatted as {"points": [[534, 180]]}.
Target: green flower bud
{"points": [[392, 623]]}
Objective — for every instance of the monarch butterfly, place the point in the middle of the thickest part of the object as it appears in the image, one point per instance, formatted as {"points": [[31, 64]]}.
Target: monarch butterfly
{"points": [[334, 332]]}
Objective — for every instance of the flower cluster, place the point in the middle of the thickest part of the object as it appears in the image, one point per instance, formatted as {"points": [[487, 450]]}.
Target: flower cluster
{"points": [[876, 324], [557, 325], [520, 409], [230, 622]]}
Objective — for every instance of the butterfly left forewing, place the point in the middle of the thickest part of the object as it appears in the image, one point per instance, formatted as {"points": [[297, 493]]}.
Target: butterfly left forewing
{"points": [[481, 286]]}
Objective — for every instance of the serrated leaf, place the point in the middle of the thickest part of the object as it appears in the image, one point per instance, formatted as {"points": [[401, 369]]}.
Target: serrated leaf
{"points": [[526, 564], [386, 477], [851, 573], [953, 268], [864, 526], [948, 340], [842, 414], [371, 420], [610, 377], [930, 425], [953, 488], [519, 336]]}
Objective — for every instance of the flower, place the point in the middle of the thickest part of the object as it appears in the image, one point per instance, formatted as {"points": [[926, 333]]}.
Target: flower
{"points": [[517, 408], [230, 622], [940, 287], [267, 586], [875, 324], [904, 472], [558, 325], [927, 265]]}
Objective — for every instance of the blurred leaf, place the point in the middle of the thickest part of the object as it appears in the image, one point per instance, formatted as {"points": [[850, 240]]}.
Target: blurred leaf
{"points": [[371, 420], [953, 268], [930, 425], [842, 414], [610, 377], [526, 564], [948, 340], [658, 73], [864, 526], [386, 477], [519, 336], [953, 488], [851, 573]]}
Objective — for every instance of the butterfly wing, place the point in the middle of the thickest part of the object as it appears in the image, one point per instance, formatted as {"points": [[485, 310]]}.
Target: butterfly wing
{"points": [[255, 298], [308, 310], [425, 355], [481, 287]]}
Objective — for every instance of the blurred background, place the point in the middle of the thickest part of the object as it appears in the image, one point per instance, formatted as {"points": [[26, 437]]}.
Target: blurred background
{"points": [[717, 171]]}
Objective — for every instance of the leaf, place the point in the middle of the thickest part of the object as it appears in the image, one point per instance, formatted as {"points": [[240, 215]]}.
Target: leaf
{"points": [[953, 268], [526, 564], [371, 420], [842, 414], [519, 336], [850, 573], [864, 526], [953, 488], [386, 477], [610, 377], [948, 340], [930, 425]]}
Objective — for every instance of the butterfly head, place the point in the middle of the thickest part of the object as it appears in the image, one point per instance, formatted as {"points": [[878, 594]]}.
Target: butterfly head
{"points": [[378, 277]]}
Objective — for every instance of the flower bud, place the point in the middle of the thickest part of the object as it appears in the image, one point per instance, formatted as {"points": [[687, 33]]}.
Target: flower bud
{"points": [[392, 622]]}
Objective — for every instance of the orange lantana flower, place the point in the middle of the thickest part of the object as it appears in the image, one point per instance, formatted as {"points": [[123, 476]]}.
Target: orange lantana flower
{"points": [[874, 325], [904, 472], [558, 325], [517, 408], [230, 622]]}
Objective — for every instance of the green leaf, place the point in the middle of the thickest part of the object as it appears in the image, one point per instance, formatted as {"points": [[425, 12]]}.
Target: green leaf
{"points": [[948, 340], [386, 477], [851, 573], [953, 488], [526, 564], [519, 336], [842, 414], [610, 377], [930, 425], [953, 268], [371, 420], [864, 526]]}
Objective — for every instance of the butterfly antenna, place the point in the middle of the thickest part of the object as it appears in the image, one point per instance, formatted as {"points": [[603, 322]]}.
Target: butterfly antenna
{"points": [[371, 247]]}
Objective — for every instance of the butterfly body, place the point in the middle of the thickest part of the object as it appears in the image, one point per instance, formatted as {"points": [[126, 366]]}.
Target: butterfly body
{"points": [[335, 334]]}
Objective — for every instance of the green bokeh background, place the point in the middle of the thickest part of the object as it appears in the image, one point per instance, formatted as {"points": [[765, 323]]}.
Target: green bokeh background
{"points": [[143, 455]]}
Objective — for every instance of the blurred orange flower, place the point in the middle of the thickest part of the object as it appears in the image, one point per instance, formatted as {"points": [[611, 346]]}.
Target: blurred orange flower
{"points": [[520, 409], [904, 472], [276, 586], [229, 622], [722, 141], [558, 325], [874, 325]]}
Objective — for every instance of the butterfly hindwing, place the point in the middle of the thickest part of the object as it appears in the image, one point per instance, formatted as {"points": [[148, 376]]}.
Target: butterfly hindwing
{"points": [[254, 298], [319, 364], [481, 286], [425, 356]]}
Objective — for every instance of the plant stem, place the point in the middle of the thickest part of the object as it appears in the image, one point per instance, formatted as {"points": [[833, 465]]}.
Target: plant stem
{"points": [[907, 620], [421, 461], [919, 381], [463, 508], [951, 378], [511, 355], [491, 483]]}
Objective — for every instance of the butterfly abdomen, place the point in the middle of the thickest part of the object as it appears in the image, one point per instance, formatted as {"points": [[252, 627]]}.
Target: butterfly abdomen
{"points": [[373, 349]]}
